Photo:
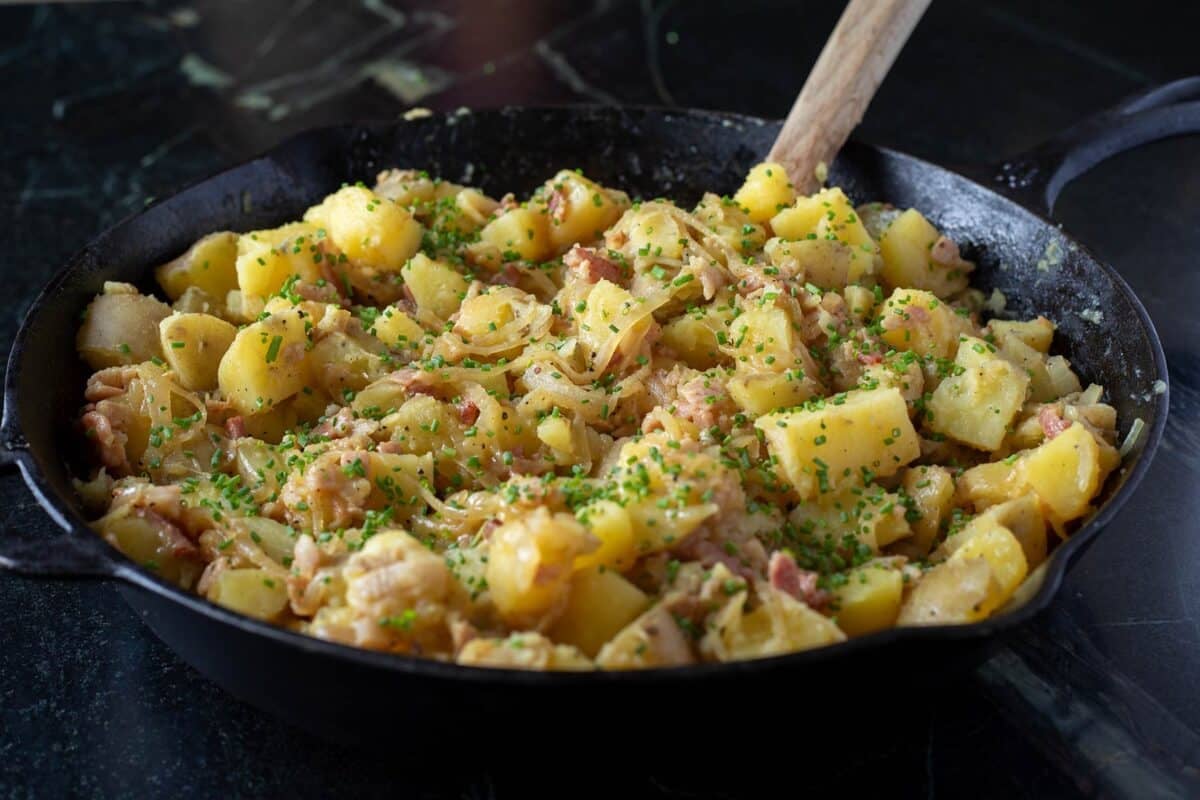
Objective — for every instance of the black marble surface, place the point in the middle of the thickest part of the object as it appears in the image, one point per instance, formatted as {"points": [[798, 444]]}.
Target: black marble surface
{"points": [[109, 104]]}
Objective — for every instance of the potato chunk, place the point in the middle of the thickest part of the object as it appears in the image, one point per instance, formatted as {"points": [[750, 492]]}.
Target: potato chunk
{"points": [[370, 230], [869, 600], [907, 246], [831, 444], [520, 233], [529, 565], [120, 327], [266, 363], [253, 592], [193, 345], [579, 210], [765, 192], [919, 321], [1065, 473], [267, 259], [953, 592], [599, 604], [209, 265], [977, 405], [437, 288]]}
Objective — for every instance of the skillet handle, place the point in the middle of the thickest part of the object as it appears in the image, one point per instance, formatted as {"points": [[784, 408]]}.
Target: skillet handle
{"points": [[1036, 178]]}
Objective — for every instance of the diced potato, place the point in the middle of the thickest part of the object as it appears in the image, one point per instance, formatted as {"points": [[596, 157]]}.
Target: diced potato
{"points": [[1033, 364], [397, 330], [654, 234], [437, 288], [193, 345], [985, 538], [977, 406], [694, 340], [763, 339], [368, 229], [267, 259], [952, 593], [860, 302], [578, 209], [826, 263], [208, 265], [906, 247], [612, 316], [599, 604], [932, 490], [869, 600], [253, 592], [340, 361], [1037, 333], [988, 484], [765, 192], [831, 445], [149, 545], [1023, 518], [918, 321], [267, 362], [555, 432], [121, 327], [1064, 472], [609, 522], [725, 219], [530, 562], [415, 424], [520, 232], [875, 517], [277, 540], [762, 393], [828, 215]]}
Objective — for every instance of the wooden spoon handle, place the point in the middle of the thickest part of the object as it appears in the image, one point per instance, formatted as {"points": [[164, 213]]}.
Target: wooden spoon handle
{"points": [[857, 56]]}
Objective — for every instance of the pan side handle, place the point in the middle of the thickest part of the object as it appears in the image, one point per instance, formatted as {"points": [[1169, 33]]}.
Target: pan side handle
{"points": [[1037, 177]]}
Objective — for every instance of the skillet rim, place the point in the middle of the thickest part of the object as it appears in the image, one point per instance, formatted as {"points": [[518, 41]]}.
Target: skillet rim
{"points": [[119, 567]]}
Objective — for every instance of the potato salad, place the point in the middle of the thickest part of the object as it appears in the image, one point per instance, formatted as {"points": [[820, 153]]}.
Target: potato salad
{"points": [[577, 430]]}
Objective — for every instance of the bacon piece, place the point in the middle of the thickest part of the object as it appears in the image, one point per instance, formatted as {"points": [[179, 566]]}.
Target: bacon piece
{"points": [[468, 412], [1052, 422], [787, 577], [590, 266], [870, 358], [235, 427]]}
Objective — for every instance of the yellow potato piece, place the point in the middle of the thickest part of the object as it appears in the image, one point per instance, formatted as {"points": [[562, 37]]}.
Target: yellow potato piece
{"points": [[599, 604], [766, 191], [193, 345], [869, 600], [371, 230], [266, 363]]}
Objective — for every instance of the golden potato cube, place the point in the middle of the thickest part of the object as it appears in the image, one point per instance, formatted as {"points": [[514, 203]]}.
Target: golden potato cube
{"points": [[121, 327], [827, 215], [530, 563], [1064, 472], [436, 287], [250, 591], [977, 406], [600, 603], [612, 314], [266, 363], [1023, 518], [267, 259], [693, 340], [932, 490], [555, 433], [1037, 333], [985, 538], [869, 600], [831, 445], [766, 191], [919, 321], [397, 330], [609, 522], [209, 265], [906, 246], [988, 484], [763, 339], [827, 264], [578, 209], [762, 393], [952, 593], [150, 546], [368, 229], [520, 232], [193, 345]]}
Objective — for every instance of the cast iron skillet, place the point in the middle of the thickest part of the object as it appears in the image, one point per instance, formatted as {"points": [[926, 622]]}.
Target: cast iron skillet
{"points": [[355, 694]]}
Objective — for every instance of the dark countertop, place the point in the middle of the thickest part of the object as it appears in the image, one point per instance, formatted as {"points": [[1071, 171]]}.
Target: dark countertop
{"points": [[108, 105]]}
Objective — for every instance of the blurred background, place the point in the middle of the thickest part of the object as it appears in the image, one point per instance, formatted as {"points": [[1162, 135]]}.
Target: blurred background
{"points": [[109, 105]]}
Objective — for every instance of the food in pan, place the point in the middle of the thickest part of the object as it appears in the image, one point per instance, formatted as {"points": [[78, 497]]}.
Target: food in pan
{"points": [[579, 431]]}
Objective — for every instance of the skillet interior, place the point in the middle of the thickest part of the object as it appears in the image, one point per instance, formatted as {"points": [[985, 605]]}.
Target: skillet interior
{"points": [[646, 152]]}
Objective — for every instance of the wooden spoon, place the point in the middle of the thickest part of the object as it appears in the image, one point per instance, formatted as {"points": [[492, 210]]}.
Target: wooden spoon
{"points": [[857, 56]]}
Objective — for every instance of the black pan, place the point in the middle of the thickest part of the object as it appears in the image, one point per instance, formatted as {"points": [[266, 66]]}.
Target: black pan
{"points": [[355, 694]]}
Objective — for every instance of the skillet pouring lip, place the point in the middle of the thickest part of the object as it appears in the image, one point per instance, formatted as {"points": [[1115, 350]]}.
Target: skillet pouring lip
{"points": [[122, 568]]}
